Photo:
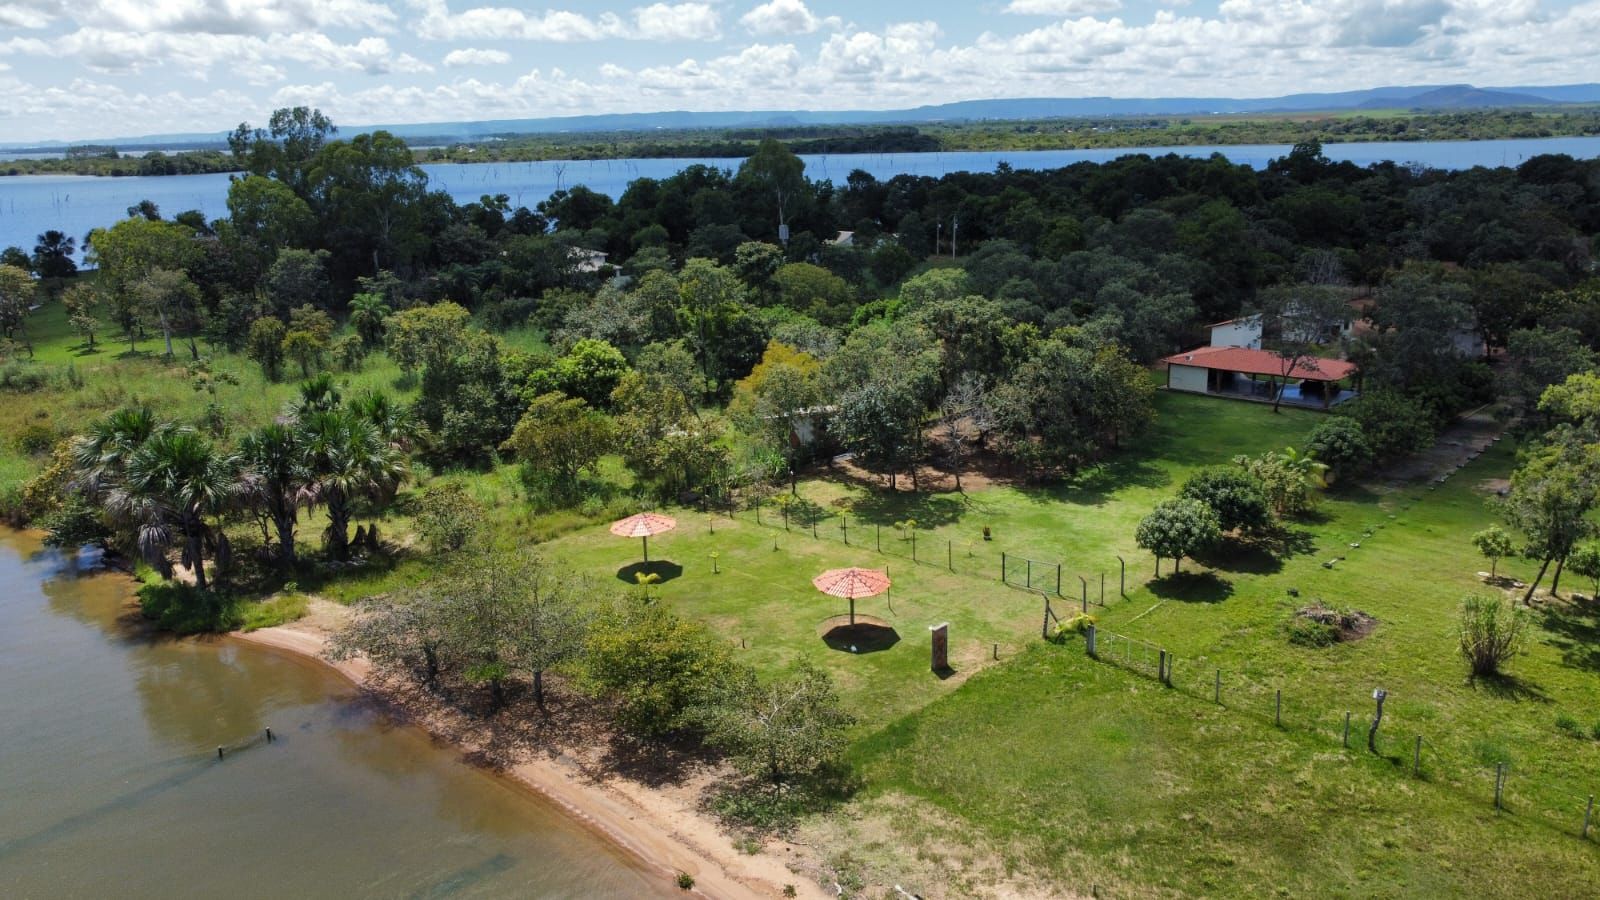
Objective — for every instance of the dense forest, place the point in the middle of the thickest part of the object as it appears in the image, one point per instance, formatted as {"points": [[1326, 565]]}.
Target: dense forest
{"points": [[1040, 134], [1029, 302]]}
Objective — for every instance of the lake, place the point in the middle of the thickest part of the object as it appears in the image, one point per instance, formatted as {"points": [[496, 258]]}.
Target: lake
{"points": [[75, 204], [112, 788]]}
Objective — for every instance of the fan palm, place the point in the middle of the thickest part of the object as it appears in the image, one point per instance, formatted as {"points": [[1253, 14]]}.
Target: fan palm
{"points": [[348, 460], [173, 481], [277, 478], [317, 394], [100, 455], [396, 422], [367, 315]]}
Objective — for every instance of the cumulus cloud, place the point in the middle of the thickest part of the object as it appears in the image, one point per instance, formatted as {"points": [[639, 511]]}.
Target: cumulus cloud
{"points": [[1062, 7], [121, 52], [469, 56], [30, 13], [233, 16], [785, 17], [656, 22]]}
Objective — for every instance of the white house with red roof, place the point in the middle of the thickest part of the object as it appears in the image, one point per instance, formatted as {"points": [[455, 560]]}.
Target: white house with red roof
{"points": [[1252, 374]]}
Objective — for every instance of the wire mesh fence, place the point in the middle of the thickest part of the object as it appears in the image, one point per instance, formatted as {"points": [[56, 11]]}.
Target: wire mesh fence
{"points": [[1495, 782]]}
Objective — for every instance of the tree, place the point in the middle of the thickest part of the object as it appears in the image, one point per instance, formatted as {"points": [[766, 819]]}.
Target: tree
{"points": [[757, 263], [348, 461], [1236, 497], [277, 479], [1541, 357], [174, 302], [778, 395], [774, 177], [52, 255], [814, 291], [1307, 317], [550, 620], [1552, 494], [589, 371], [784, 729], [82, 301], [1177, 528], [1585, 561], [131, 249], [711, 307], [448, 517], [268, 215], [369, 315], [1495, 544], [1341, 443], [172, 482], [16, 301], [1491, 633], [966, 403], [424, 333], [307, 338], [285, 149], [1394, 425], [662, 670], [467, 399], [406, 634], [265, 345], [560, 437], [297, 278]]}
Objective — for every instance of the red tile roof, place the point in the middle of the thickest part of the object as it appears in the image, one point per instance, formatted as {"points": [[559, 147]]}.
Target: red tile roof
{"points": [[1261, 362]]}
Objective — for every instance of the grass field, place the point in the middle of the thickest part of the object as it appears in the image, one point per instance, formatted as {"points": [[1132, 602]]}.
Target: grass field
{"points": [[1034, 766]]}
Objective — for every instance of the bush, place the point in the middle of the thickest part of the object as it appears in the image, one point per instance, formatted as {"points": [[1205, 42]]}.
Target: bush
{"points": [[448, 517], [1305, 632], [1236, 496], [34, 439], [1341, 443], [685, 880], [663, 671], [185, 609], [1491, 633], [1394, 425]]}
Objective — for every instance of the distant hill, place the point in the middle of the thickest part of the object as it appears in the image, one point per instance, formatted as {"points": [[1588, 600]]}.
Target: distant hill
{"points": [[1429, 97]]}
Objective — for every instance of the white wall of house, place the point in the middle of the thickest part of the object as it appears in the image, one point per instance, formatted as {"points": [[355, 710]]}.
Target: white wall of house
{"points": [[1245, 332], [1186, 378], [1467, 342]]}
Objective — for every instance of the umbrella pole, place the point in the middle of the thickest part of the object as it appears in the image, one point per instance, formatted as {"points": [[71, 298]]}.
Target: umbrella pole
{"points": [[646, 540], [852, 610]]}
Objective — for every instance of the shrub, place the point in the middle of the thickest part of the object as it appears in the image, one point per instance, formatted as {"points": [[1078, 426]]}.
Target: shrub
{"points": [[185, 609], [448, 517], [1394, 425], [662, 670], [34, 438], [284, 608], [685, 880], [1495, 545], [1236, 496], [1341, 443], [1491, 633]]}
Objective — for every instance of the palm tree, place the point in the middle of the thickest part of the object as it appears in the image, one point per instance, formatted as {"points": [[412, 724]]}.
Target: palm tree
{"points": [[173, 481], [1305, 465], [396, 422], [277, 478], [100, 455], [318, 394], [348, 460], [367, 315]]}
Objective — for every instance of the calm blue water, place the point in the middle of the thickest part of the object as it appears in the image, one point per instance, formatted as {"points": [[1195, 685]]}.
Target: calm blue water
{"points": [[74, 204]]}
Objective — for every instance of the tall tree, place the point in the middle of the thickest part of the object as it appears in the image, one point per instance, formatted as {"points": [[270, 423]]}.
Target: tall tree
{"points": [[348, 462], [52, 255], [173, 482], [277, 479]]}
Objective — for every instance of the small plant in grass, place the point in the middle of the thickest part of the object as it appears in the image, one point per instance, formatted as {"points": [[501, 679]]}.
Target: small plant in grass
{"points": [[1492, 632], [987, 534], [1595, 731], [789, 891], [906, 527], [685, 880], [714, 557], [1569, 726], [1495, 545]]}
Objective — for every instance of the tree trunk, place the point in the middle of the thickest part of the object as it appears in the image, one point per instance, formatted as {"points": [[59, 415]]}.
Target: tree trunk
{"points": [[338, 527], [538, 690], [1527, 599], [1555, 582], [285, 523], [166, 334], [196, 557]]}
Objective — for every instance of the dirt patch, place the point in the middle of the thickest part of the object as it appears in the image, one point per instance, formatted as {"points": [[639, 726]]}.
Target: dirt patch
{"points": [[1342, 625]]}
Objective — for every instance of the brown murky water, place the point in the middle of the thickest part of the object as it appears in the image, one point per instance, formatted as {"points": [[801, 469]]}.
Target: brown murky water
{"points": [[110, 786]]}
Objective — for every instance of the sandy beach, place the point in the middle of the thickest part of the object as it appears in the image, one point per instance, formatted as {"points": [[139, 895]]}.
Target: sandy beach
{"points": [[659, 825]]}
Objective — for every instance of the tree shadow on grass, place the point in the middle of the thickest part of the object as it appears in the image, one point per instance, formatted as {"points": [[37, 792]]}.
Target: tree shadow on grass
{"points": [[1095, 485], [664, 571], [1574, 629], [927, 510], [1504, 686], [1192, 587], [1259, 555]]}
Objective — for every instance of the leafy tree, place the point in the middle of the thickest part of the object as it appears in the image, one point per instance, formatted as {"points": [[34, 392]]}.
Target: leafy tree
{"points": [[662, 670], [1234, 495], [424, 333], [934, 285], [814, 291], [1307, 317], [711, 310], [174, 302], [277, 480], [52, 255], [1541, 357], [81, 302], [774, 178], [1495, 544], [297, 278], [778, 394], [16, 301], [308, 337], [171, 484], [1177, 528], [1585, 561], [1394, 425], [131, 249], [448, 517], [560, 438], [1341, 443], [17, 258], [1491, 633], [265, 345], [406, 634], [468, 400], [1552, 493], [286, 148], [781, 730], [757, 264], [550, 619], [589, 371]]}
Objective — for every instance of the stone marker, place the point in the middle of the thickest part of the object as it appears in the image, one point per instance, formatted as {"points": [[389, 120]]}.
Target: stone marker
{"points": [[941, 646]]}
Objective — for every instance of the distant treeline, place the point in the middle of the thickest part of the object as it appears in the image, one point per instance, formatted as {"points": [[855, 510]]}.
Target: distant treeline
{"points": [[1037, 134]]}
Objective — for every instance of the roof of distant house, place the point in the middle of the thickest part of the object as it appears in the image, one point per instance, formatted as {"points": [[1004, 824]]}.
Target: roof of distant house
{"points": [[1262, 362], [1253, 318]]}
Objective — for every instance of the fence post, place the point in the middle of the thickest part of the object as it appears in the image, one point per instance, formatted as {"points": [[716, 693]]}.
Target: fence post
{"points": [[1277, 710], [950, 555], [1002, 567], [1029, 571], [1090, 636], [1102, 589], [880, 538], [1347, 729], [758, 512], [913, 545], [1499, 784], [1587, 814], [844, 526], [1058, 579], [1085, 585], [1416, 758], [1218, 697], [814, 529], [1122, 577], [1162, 670]]}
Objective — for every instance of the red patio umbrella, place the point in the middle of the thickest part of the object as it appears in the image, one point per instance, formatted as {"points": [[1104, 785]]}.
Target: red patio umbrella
{"points": [[852, 583], [643, 526]]}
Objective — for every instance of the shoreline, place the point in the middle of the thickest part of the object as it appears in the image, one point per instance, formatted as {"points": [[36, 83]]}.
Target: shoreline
{"points": [[660, 831]]}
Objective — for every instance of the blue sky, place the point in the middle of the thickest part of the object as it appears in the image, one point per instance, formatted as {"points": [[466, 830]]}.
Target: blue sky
{"points": [[99, 68]]}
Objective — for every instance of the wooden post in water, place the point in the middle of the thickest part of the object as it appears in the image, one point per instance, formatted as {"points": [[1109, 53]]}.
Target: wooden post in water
{"points": [[270, 738], [219, 753]]}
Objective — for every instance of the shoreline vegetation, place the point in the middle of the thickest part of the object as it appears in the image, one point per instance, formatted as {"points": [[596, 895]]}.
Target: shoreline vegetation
{"points": [[653, 825], [1122, 132]]}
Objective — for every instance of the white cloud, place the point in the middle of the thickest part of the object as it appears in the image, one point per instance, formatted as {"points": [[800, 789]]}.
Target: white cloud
{"points": [[30, 13], [233, 16], [785, 17], [123, 52], [657, 22], [1063, 7], [470, 56]]}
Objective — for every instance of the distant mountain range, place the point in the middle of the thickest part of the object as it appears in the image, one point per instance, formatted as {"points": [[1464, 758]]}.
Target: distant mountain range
{"points": [[1428, 98]]}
